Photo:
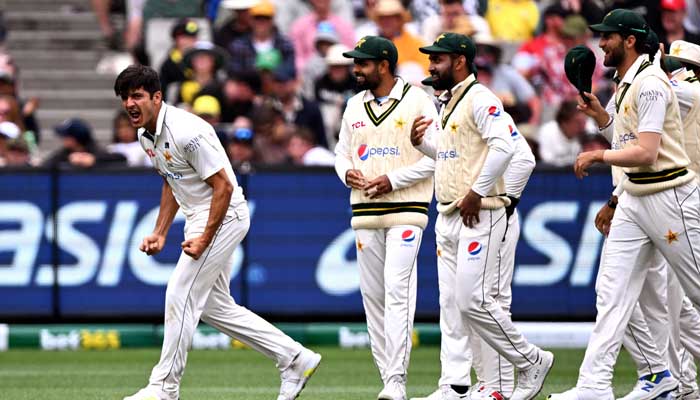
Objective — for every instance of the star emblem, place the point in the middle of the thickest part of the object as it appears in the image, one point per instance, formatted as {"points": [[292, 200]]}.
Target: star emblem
{"points": [[399, 123], [360, 43], [676, 51], [439, 252], [439, 38], [359, 245], [671, 236], [627, 108], [453, 127], [168, 156]]}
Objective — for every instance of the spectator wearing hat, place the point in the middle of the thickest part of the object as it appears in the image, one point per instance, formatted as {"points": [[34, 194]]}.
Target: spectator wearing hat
{"points": [[333, 90], [125, 141], [315, 66], [512, 20], [264, 37], [673, 13], [294, 108], [208, 108], [453, 18], [238, 23], [304, 151], [79, 148], [184, 35], [515, 92], [305, 44], [203, 62], [239, 144], [18, 154]]}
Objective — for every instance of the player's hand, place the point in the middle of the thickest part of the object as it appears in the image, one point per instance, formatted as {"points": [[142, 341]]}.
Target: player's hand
{"points": [[585, 160], [194, 247], [355, 179], [152, 244], [378, 187], [469, 209], [420, 125], [604, 218], [593, 108]]}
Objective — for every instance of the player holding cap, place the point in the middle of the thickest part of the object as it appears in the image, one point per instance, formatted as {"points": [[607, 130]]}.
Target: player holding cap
{"points": [[472, 152], [374, 157], [198, 179]]}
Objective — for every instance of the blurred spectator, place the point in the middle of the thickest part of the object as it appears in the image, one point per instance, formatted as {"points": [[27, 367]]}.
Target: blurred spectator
{"points": [[315, 67], [673, 14], [512, 20], [18, 154], [102, 9], [125, 141], [560, 140], [10, 111], [240, 95], [424, 9], [264, 37], [172, 9], [239, 145], [541, 61], [27, 108], [238, 23], [333, 90], [302, 150], [692, 18], [391, 18], [203, 62], [3, 31], [295, 109], [305, 44], [453, 18], [184, 35], [208, 108], [265, 63], [8, 132], [593, 142], [132, 40], [575, 32], [291, 10], [270, 135], [592, 11], [79, 148], [517, 95]]}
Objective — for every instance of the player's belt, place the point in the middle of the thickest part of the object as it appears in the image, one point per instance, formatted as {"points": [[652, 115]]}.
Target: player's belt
{"points": [[656, 177], [366, 209]]}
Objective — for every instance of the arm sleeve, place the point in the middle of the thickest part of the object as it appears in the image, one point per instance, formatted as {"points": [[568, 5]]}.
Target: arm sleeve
{"points": [[520, 168], [202, 155], [412, 174], [654, 95], [343, 157], [607, 132], [684, 94], [428, 146], [492, 121]]}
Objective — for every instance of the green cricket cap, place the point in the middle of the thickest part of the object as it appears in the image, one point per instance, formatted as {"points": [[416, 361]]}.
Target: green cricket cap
{"points": [[374, 48], [622, 21], [452, 43], [579, 65]]}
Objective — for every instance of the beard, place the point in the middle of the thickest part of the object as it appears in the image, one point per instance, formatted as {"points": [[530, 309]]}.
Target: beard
{"points": [[615, 57], [369, 82], [444, 80]]}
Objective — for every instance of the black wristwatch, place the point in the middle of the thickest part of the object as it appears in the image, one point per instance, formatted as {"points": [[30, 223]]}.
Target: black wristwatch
{"points": [[612, 204]]}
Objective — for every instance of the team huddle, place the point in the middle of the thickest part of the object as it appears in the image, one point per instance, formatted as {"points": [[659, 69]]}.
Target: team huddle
{"points": [[396, 151]]}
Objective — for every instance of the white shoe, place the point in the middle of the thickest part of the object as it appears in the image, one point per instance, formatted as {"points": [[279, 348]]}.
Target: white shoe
{"points": [[147, 393], [651, 386], [395, 389], [530, 380], [444, 392], [478, 392], [583, 394], [682, 394], [295, 376]]}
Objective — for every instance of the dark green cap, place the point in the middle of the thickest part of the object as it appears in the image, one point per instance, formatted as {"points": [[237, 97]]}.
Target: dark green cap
{"points": [[579, 65], [452, 43], [623, 21], [374, 48], [427, 81]]}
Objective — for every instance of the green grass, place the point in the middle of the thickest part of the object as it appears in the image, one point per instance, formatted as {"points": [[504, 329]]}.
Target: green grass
{"points": [[240, 374]]}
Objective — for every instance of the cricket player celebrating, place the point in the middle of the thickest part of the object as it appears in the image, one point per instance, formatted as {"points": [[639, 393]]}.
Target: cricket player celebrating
{"points": [[197, 178], [472, 152], [374, 141], [660, 207]]}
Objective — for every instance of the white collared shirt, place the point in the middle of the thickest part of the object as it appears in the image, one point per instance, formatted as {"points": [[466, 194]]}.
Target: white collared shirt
{"points": [[186, 151], [653, 98]]}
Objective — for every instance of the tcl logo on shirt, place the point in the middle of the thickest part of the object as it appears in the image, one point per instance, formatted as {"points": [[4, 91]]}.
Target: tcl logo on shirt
{"points": [[359, 124], [365, 152]]}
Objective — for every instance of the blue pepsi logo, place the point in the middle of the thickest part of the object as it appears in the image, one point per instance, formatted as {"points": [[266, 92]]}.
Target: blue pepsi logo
{"points": [[408, 236], [363, 152], [494, 111], [474, 248], [513, 132]]}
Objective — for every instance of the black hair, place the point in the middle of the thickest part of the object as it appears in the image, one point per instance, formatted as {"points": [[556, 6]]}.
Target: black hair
{"points": [[249, 77], [121, 114], [567, 110], [135, 77]]}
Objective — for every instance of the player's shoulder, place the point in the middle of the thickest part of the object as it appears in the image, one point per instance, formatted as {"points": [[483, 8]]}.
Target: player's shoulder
{"points": [[416, 92], [358, 98]]}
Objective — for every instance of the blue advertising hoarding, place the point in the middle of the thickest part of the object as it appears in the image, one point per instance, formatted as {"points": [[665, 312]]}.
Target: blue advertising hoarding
{"points": [[299, 254]]}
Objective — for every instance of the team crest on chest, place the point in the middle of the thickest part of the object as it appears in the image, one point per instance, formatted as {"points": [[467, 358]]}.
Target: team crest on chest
{"points": [[399, 123], [453, 127]]}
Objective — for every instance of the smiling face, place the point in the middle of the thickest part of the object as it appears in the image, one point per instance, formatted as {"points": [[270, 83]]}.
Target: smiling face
{"points": [[142, 108], [613, 46], [367, 74], [441, 70]]}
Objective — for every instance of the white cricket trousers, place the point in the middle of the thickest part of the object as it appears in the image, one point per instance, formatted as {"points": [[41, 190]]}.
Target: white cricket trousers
{"points": [[492, 369], [200, 289], [667, 221], [387, 262], [468, 268]]}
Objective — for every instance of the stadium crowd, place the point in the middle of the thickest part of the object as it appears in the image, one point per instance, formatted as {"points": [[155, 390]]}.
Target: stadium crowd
{"points": [[274, 83]]}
